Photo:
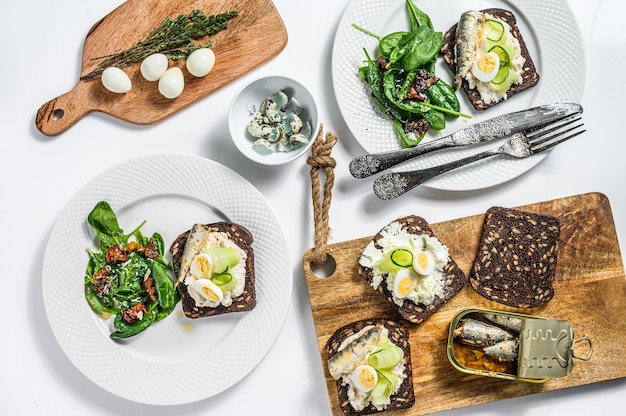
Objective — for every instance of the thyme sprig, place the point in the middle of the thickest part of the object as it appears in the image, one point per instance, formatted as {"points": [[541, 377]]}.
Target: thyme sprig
{"points": [[173, 38]]}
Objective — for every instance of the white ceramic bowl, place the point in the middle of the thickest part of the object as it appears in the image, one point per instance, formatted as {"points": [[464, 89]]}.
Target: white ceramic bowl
{"points": [[251, 96]]}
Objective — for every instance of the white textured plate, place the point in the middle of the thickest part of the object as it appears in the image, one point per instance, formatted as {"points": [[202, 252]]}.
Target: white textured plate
{"points": [[553, 39], [177, 360]]}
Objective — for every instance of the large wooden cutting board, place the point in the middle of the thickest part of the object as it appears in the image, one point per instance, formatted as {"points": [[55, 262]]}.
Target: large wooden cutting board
{"points": [[255, 36], [590, 293]]}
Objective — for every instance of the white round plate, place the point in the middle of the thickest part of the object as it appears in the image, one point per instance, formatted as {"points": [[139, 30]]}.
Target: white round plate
{"points": [[555, 45], [177, 360]]}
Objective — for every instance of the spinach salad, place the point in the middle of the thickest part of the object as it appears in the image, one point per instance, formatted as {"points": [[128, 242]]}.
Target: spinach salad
{"points": [[402, 79], [127, 276]]}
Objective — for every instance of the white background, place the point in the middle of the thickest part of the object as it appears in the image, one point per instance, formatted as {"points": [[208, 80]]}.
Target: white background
{"points": [[40, 45]]}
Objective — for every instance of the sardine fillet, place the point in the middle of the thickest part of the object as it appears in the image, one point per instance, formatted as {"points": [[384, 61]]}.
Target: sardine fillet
{"points": [[504, 351], [468, 35], [480, 334], [346, 360]]}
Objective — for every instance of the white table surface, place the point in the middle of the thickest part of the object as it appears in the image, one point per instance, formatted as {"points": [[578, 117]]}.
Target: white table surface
{"points": [[40, 45]]}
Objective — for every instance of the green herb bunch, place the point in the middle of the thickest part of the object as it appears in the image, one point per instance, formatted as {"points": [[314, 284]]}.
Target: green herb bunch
{"points": [[173, 38]]}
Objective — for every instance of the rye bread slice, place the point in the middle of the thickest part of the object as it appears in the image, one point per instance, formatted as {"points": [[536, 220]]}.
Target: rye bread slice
{"points": [[455, 279], [247, 300], [530, 76], [516, 260], [398, 334]]}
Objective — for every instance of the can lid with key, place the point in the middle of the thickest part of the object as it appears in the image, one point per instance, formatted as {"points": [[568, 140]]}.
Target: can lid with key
{"points": [[546, 349]]}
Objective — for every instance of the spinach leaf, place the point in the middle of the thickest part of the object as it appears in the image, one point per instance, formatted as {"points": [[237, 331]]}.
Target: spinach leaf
{"points": [[164, 285], [104, 222], [417, 18], [424, 49], [443, 95], [390, 42], [124, 329]]}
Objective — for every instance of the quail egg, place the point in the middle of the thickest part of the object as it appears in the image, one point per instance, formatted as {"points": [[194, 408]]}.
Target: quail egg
{"points": [[364, 377], [202, 266], [404, 282], [172, 83], [209, 290], [486, 67], [154, 66], [200, 62], [116, 80], [423, 262]]}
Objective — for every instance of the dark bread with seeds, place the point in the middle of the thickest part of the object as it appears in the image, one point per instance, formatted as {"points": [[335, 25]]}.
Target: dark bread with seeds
{"points": [[247, 300], [399, 335], [516, 260], [530, 76], [454, 276]]}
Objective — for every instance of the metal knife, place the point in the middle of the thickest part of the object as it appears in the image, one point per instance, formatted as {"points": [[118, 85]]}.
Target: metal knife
{"points": [[494, 128]]}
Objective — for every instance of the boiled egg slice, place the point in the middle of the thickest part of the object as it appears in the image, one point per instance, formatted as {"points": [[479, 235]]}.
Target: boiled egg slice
{"points": [[202, 266], [364, 377], [404, 282], [423, 262], [486, 66], [208, 290]]}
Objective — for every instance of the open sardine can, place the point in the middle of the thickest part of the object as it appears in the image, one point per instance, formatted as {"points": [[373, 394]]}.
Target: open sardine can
{"points": [[514, 346]]}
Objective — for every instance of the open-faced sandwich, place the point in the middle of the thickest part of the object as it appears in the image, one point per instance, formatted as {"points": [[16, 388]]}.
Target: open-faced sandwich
{"points": [[371, 363], [516, 260], [214, 264], [489, 57], [407, 264]]}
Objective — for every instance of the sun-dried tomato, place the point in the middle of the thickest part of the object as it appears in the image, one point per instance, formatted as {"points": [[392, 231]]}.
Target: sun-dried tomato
{"points": [[383, 64], [417, 127], [134, 313], [116, 253], [148, 286], [101, 280], [422, 82], [150, 250]]}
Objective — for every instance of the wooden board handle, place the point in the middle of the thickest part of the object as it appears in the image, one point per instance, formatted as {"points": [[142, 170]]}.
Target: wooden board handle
{"points": [[61, 113]]}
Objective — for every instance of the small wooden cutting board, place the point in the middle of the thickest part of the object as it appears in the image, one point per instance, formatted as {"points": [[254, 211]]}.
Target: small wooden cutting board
{"points": [[590, 294], [253, 37]]}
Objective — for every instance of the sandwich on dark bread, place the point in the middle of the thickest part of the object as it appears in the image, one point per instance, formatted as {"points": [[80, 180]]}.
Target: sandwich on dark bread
{"points": [[455, 40], [214, 265], [408, 265], [371, 363]]}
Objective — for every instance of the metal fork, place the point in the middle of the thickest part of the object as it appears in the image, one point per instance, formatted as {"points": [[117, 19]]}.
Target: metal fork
{"points": [[519, 145]]}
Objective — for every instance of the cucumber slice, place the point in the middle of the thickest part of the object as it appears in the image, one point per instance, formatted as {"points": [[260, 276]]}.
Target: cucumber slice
{"points": [[392, 260], [503, 87], [223, 258], [386, 265], [384, 387], [494, 30], [225, 281], [503, 54], [222, 278], [386, 357], [402, 257], [501, 76]]}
